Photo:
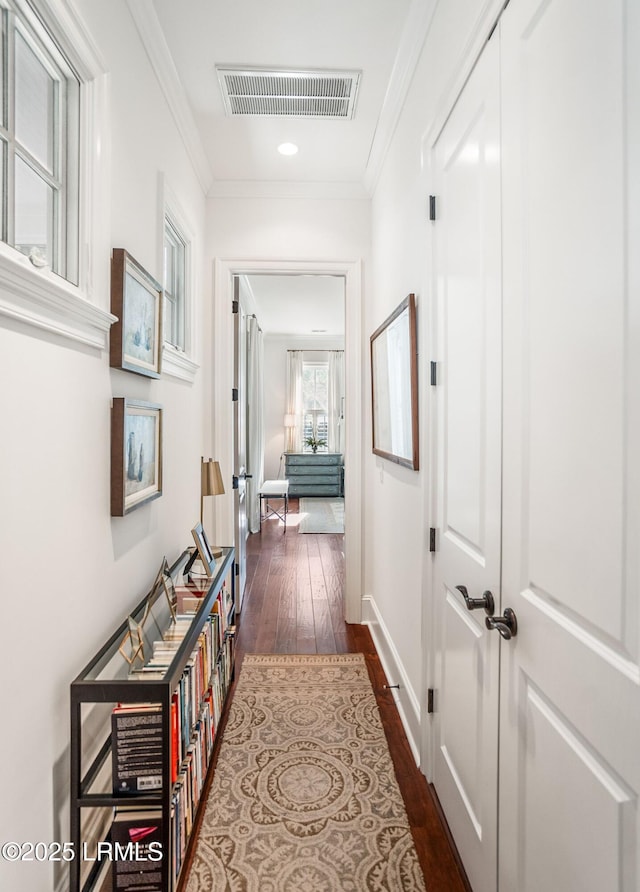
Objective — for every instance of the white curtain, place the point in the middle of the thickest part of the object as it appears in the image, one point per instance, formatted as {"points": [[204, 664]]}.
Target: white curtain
{"points": [[335, 403], [255, 422], [293, 435]]}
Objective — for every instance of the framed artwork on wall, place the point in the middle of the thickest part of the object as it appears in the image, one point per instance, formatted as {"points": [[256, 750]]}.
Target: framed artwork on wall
{"points": [[394, 386], [136, 454], [136, 299]]}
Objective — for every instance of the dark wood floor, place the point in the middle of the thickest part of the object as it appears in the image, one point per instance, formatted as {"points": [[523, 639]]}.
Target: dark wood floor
{"points": [[294, 604]]}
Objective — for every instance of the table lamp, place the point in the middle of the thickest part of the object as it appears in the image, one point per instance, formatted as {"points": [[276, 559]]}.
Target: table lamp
{"points": [[210, 485]]}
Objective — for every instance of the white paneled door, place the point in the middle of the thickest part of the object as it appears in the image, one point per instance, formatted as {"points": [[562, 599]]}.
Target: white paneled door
{"points": [[537, 261], [467, 243], [570, 711]]}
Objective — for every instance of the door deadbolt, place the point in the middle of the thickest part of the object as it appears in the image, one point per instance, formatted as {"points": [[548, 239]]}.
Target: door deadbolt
{"points": [[506, 624]]}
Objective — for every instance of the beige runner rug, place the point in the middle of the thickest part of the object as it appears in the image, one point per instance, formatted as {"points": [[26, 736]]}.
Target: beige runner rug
{"points": [[304, 796]]}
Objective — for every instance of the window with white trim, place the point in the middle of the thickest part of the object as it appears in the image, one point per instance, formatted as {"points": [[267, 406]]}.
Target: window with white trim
{"points": [[315, 405], [39, 143], [175, 277], [178, 254]]}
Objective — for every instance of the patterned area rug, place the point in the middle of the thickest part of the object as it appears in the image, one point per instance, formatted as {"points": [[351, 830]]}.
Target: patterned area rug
{"points": [[304, 796], [321, 516]]}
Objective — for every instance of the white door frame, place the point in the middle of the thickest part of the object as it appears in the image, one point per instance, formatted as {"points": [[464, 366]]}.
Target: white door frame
{"points": [[222, 414]]}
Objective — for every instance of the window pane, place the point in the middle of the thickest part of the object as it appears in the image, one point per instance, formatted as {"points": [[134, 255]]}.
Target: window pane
{"points": [[34, 105], [174, 285], [168, 266], [33, 214], [315, 392], [168, 322], [322, 392], [307, 430]]}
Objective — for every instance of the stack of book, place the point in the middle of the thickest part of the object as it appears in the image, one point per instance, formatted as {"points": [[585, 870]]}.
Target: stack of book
{"points": [[196, 707], [199, 710]]}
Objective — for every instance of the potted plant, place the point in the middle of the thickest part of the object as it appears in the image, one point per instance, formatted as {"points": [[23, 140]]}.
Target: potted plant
{"points": [[314, 443]]}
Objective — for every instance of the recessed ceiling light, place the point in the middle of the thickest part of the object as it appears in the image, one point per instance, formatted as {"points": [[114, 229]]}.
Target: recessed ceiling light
{"points": [[287, 148]]}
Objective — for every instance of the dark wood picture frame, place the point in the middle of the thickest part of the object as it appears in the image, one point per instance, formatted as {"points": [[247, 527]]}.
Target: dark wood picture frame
{"points": [[136, 299], [136, 454], [394, 386]]}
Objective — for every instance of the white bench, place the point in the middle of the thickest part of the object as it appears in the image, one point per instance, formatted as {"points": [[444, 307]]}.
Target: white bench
{"points": [[278, 490]]}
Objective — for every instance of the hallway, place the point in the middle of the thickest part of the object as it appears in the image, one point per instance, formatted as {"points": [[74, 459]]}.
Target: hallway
{"points": [[293, 604]]}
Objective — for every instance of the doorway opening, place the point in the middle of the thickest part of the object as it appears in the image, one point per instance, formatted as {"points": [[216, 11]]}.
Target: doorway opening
{"points": [[350, 278], [289, 418]]}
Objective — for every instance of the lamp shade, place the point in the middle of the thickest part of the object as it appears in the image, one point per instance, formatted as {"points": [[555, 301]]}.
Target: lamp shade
{"points": [[289, 420], [211, 478]]}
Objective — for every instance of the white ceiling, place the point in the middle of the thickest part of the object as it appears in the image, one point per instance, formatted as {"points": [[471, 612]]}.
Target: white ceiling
{"points": [[299, 305], [365, 35]]}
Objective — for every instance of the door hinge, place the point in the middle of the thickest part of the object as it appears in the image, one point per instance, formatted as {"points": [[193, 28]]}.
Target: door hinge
{"points": [[434, 373], [432, 538], [235, 306], [432, 207], [234, 394], [237, 569], [234, 482], [430, 698]]}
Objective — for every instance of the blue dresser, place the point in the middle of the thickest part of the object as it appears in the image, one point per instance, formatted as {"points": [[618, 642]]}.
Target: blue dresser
{"points": [[310, 474]]}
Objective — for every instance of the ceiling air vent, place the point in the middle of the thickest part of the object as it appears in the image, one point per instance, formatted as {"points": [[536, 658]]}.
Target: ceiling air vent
{"points": [[292, 94]]}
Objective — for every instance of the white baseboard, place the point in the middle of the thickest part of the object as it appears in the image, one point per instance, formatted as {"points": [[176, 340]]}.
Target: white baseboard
{"points": [[405, 697]]}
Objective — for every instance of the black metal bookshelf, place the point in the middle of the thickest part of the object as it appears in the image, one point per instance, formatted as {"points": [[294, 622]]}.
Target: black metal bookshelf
{"points": [[106, 680]]}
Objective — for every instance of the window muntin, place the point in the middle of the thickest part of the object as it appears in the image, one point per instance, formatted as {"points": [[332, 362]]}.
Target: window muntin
{"points": [[39, 141], [175, 260]]}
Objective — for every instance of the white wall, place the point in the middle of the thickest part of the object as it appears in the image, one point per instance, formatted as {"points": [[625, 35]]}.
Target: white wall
{"points": [[70, 572], [275, 372], [290, 228]]}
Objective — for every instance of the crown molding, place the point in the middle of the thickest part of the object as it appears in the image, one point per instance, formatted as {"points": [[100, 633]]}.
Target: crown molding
{"points": [[155, 44], [287, 189], [414, 34]]}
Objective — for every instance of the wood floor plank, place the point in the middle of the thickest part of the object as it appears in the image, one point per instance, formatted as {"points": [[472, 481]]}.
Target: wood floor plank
{"points": [[305, 632], [286, 633]]}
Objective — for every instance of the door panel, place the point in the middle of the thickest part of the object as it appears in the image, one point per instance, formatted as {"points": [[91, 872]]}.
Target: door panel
{"points": [[465, 643], [571, 266], [570, 709], [467, 257], [556, 849]]}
